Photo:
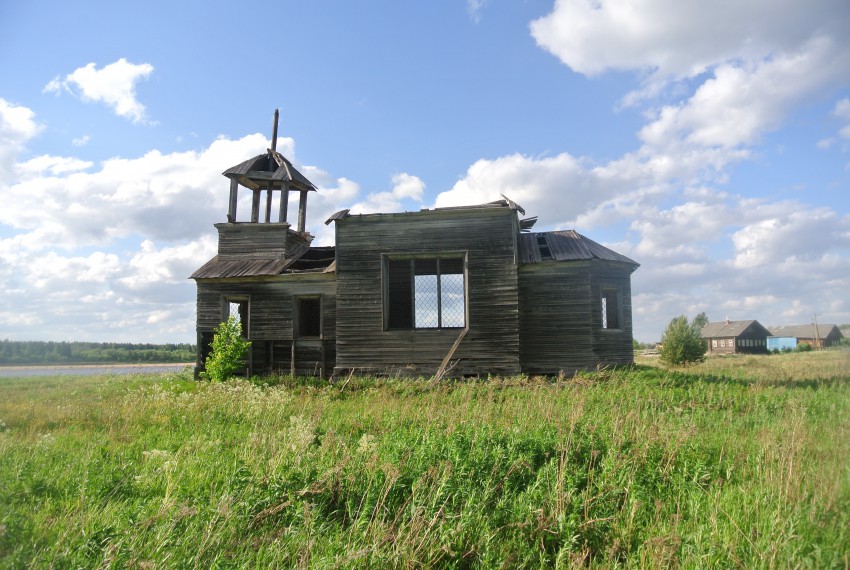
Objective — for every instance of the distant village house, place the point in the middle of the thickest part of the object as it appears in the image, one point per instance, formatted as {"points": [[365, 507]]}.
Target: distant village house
{"points": [[735, 337], [820, 335]]}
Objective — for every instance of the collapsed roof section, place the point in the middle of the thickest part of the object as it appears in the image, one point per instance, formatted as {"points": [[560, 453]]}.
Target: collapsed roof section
{"points": [[303, 260]]}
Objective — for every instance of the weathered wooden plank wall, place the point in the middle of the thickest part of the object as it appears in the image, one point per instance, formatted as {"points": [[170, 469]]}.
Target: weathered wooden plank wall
{"points": [[487, 238], [612, 347], [270, 327], [257, 240], [555, 317]]}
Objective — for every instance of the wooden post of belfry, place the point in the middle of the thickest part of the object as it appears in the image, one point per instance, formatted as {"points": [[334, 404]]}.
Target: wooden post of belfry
{"points": [[284, 202], [234, 195], [302, 212], [255, 206]]}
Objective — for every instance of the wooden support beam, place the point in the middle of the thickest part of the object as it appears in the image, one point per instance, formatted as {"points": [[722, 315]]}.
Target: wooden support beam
{"points": [[269, 203], [234, 196], [255, 206], [302, 211], [445, 363], [284, 203]]}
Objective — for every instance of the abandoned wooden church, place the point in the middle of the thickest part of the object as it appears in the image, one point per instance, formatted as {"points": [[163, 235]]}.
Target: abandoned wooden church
{"points": [[448, 291]]}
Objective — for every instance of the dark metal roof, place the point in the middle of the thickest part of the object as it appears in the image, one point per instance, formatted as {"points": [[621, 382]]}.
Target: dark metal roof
{"points": [[258, 172], [805, 331], [567, 245], [731, 328]]}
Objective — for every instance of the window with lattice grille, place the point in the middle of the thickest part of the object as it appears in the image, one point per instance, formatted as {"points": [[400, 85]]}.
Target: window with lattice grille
{"points": [[425, 293]]}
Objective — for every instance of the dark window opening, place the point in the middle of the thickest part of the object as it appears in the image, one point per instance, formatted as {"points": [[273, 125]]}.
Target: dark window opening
{"points": [[610, 309], [543, 245], [426, 293], [237, 307], [309, 317], [400, 294]]}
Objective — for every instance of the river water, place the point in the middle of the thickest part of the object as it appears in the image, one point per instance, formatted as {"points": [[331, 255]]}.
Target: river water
{"points": [[89, 369]]}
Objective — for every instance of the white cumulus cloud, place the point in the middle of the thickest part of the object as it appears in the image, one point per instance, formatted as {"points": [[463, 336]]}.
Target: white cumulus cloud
{"points": [[670, 38], [113, 85]]}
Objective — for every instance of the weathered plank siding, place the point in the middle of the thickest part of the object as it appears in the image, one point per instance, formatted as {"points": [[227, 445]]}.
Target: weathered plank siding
{"points": [[555, 317], [270, 320], [612, 346], [258, 240], [487, 239]]}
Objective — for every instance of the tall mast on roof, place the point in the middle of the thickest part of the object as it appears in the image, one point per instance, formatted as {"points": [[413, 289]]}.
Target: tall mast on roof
{"points": [[274, 129]]}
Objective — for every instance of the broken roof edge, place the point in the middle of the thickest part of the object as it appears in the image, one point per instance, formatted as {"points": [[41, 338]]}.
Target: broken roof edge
{"points": [[304, 259], [506, 203], [270, 167]]}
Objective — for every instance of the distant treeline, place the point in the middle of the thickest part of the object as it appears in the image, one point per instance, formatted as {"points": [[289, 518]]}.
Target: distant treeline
{"points": [[49, 352]]}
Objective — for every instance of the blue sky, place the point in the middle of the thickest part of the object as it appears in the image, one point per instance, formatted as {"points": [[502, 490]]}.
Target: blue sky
{"points": [[708, 141]]}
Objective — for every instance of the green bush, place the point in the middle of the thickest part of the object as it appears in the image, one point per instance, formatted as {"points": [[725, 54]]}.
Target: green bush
{"points": [[804, 347], [682, 343], [228, 351]]}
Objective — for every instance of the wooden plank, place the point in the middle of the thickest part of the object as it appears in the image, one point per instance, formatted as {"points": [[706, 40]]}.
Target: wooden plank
{"points": [[269, 203], [444, 364], [255, 206], [234, 196], [284, 203], [302, 212]]}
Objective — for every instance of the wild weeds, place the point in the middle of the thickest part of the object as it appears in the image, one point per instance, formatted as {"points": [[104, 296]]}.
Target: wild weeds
{"points": [[640, 467]]}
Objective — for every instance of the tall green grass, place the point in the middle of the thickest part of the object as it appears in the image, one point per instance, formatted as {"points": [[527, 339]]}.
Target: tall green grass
{"points": [[643, 467]]}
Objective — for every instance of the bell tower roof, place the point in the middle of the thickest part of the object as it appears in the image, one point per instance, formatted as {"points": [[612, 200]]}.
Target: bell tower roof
{"points": [[273, 174], [271, 168]]}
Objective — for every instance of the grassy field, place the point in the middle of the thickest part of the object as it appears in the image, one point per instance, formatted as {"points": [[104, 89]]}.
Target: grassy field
{"points": [[738, 462]]}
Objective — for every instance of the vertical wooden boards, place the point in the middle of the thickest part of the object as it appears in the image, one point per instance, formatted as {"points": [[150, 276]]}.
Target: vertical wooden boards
{"points": [[612, 346], [271, 309], [484, 236], [555, 317]]}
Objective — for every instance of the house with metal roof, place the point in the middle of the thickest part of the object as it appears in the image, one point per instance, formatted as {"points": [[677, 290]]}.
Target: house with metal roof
{"points": [[732, 337], [446, 291], [817, 335]]}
